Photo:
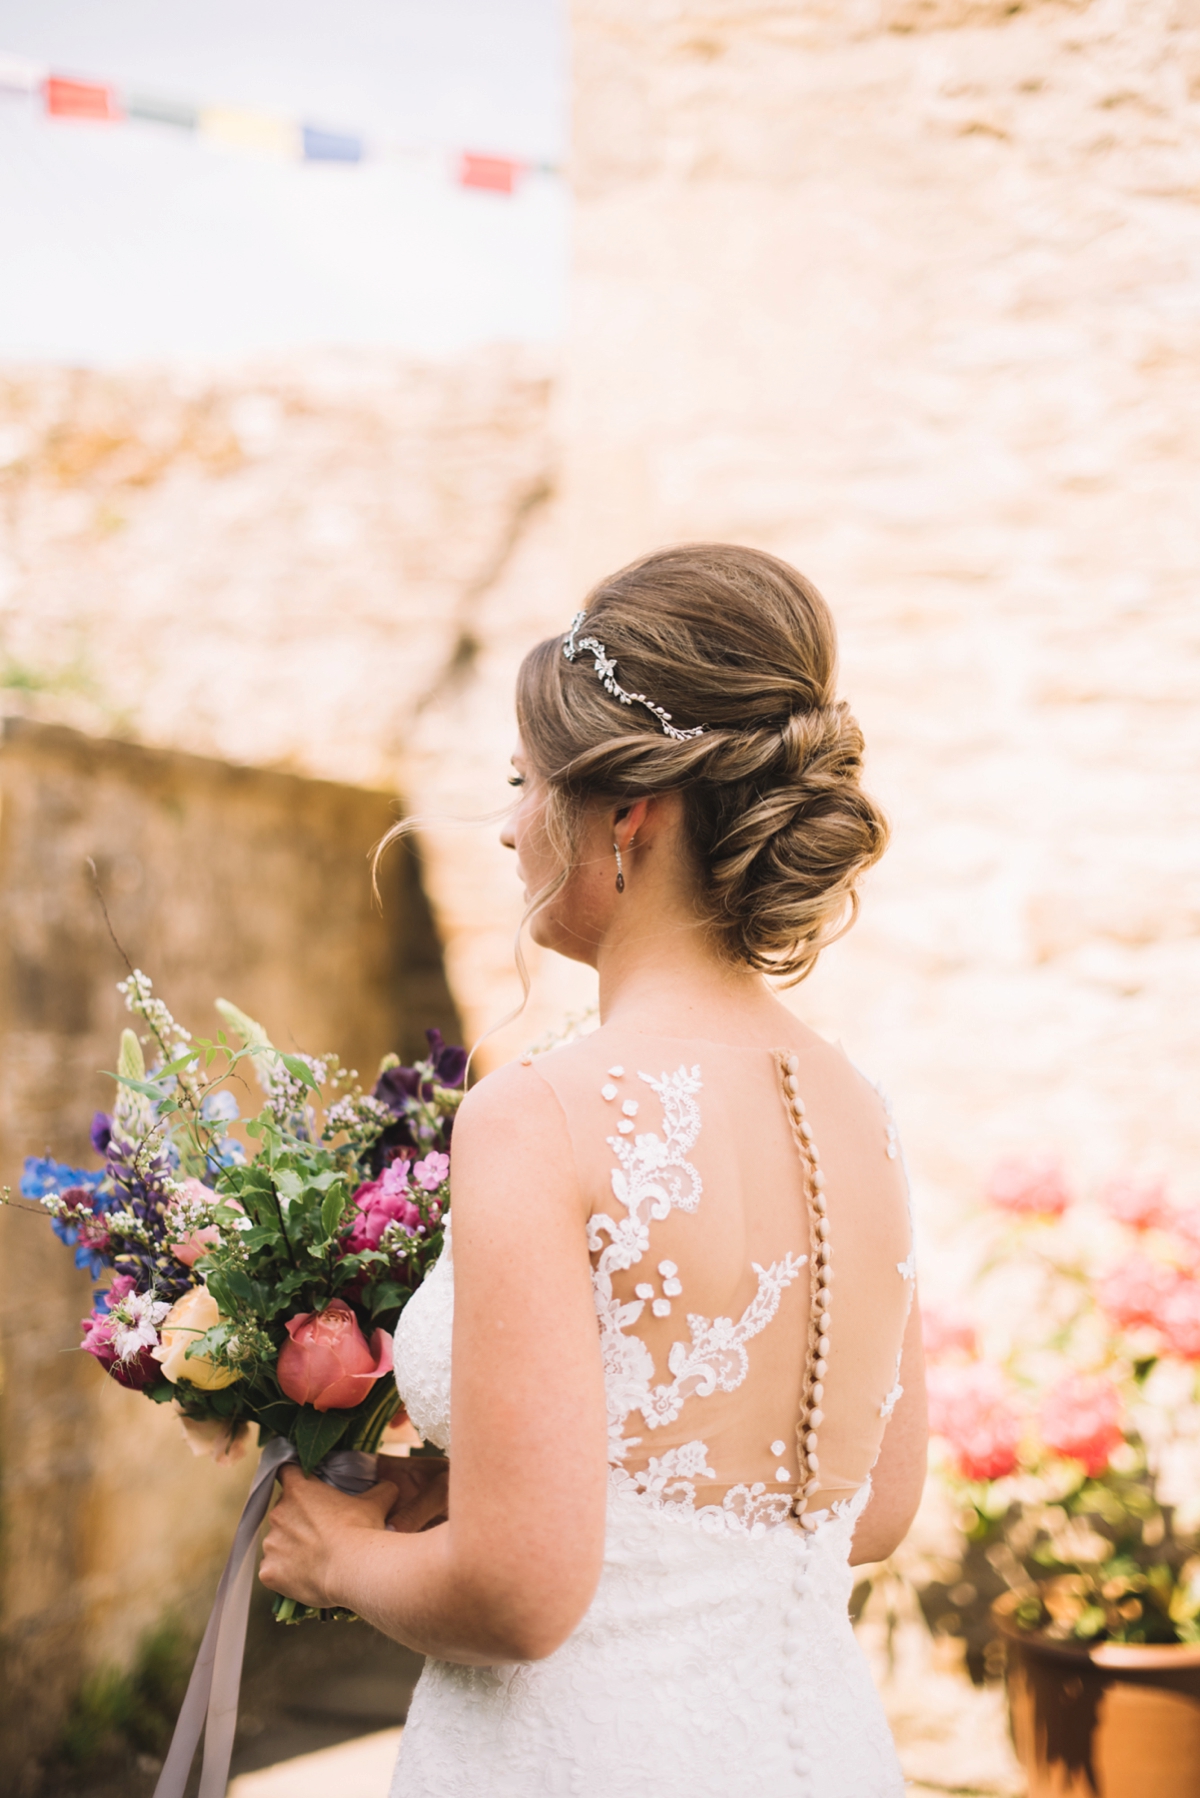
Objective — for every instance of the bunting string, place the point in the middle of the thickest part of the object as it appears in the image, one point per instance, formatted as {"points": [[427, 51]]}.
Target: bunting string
{"points": [[246, 130]]}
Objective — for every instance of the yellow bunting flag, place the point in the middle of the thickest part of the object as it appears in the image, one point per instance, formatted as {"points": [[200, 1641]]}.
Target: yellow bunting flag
{"points": [[259, 131]]}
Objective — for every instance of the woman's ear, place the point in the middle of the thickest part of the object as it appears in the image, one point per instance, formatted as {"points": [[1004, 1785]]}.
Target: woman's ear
{"points": [[629, 819]]}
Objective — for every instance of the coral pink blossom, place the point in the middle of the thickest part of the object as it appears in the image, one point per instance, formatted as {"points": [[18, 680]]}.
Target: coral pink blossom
{"points": [[1179, 1320], [380, 1203], [972, 1409], [1036, 1186], [327, 1363], [1080, 1417], [1184, 1226], [1142, 1204], [945, 1336], [1135, 1292]]}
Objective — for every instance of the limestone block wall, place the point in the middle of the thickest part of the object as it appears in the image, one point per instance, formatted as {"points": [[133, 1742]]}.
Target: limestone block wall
{"points": [[220, 881], [908, 291], [329, 566]]}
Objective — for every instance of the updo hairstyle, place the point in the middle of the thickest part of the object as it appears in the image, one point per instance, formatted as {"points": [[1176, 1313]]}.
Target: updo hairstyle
{"points": [[777, 820]]}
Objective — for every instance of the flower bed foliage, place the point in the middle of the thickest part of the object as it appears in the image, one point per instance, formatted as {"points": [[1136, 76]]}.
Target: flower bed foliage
{"points": [[1067, 1424]]}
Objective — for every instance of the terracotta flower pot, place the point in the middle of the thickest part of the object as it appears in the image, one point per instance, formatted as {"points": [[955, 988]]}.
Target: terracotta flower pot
{"points": [[1111, 1721]]}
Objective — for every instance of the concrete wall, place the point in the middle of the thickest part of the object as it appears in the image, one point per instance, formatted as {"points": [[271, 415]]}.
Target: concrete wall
{"points": [[908, 291], [220, 881]]}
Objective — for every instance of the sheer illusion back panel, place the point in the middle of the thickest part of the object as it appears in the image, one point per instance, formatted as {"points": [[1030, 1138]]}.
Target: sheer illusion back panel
{"points": [[705, 1259]]}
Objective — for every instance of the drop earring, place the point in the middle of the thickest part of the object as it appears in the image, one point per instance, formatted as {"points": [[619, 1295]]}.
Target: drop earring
{"points": [[620, 869]]}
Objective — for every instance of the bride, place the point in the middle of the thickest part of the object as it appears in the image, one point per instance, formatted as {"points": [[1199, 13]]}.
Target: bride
{"points": [[678, 1309]]}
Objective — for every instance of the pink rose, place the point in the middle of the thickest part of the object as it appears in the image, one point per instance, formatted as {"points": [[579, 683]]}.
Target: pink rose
{"points": [[973, 1410], [327, 1363], [1035, 1187], [945, 1336], [1143, 1205], [1080, 1417], [196, 1244]]}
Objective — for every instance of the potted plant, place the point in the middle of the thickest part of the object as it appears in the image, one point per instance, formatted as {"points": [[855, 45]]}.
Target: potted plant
{"points": [[1066, 1422]]}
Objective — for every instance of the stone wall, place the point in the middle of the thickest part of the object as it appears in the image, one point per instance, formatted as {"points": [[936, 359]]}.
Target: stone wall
{"points": [[908, 291], [328, 566], [220, 881]]}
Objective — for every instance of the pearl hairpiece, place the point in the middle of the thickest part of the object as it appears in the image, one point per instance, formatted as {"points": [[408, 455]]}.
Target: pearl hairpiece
{"points": [[606, 674]]}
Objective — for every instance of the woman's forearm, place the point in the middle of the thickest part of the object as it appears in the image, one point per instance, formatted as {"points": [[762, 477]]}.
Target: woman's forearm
{"points": [[424, 1591]]}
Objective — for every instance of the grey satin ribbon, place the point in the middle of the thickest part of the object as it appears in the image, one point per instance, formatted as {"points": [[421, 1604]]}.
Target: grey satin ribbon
{"points": [[211, 1702]]}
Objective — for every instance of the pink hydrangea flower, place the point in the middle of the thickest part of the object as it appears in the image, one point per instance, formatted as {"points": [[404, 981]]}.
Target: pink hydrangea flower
{"points": [[430, 1173], [1080, 1417], [973, 1409], [945, 1336], [1035, 1187], [1142, 1204]]}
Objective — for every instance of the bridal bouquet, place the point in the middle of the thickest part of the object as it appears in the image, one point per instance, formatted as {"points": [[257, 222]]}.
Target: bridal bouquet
{"points": [[1070, 1437], [256, 1282]]}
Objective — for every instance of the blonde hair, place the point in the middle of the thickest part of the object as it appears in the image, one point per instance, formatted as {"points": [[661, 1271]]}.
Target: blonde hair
{"points": [[777, 819]]}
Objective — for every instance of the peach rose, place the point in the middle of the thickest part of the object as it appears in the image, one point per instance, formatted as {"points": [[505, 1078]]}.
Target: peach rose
{"points": [[185, 1323], [326, 1362]]}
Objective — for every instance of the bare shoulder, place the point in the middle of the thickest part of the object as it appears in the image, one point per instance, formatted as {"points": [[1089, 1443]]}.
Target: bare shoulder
{"points": [[511, 1096], [512, 1150]]}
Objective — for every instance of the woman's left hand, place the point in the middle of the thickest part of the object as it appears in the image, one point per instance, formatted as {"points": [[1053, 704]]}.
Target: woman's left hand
{"points": [[310, 1521]]}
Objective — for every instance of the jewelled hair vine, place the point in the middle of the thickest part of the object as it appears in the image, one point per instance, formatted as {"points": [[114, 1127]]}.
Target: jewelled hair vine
{"points": [[606, 674]]}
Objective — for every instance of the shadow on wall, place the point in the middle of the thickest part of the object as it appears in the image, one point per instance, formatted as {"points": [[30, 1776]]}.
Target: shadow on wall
{"points": [[220, 881]]}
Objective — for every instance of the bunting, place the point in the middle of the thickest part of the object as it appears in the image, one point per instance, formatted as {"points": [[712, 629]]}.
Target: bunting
{"points": [[245, 130]]}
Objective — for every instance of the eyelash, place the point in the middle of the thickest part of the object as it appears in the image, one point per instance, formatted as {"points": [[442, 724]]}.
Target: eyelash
{"points": [[516, 780]]}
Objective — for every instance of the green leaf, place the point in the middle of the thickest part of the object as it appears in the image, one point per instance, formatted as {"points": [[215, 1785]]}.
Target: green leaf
{"points": [[387, 1296], [316, 1433], [300, 1070], [146, 1087], [331, 1210], [162, 1393], [289, 1184]]}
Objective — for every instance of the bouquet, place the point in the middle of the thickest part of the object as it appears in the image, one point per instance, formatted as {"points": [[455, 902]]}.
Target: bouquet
{"points": [[1070, 1437], [257, 1281]]}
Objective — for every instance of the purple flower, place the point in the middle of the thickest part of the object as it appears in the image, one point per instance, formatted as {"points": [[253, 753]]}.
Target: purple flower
{"points": [[101, 1132], [449, 1062]]}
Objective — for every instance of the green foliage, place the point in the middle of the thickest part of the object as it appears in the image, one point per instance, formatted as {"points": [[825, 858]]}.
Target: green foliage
{"points": [[116, 1711]]}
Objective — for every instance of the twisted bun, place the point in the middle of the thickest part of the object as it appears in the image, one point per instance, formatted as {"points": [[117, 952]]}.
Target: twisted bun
{"points": [[778, 822]]}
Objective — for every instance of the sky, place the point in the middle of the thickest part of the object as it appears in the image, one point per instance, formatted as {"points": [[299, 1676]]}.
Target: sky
{"points": [[133, 242]]}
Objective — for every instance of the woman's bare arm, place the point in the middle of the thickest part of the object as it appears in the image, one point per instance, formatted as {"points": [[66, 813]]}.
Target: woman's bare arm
{"points": [[512, 1571], [898, 1477]]}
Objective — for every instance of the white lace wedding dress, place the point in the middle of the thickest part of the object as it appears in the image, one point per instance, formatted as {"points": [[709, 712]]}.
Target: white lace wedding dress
{"points": [[716, 1659]]}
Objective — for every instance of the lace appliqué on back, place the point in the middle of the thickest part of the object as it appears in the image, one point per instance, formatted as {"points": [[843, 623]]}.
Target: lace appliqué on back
{"points": [[653, 1178]]}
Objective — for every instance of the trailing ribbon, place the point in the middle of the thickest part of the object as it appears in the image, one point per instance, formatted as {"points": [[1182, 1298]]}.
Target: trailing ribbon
{"points": [[211, 1701]]}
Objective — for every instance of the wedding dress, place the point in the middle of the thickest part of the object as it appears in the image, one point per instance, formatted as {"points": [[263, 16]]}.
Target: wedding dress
{"points": [[751, 1292]]}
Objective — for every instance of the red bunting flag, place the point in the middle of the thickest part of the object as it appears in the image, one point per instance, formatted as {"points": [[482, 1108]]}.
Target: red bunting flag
{"points": [[80, 99], [496, 173]]}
